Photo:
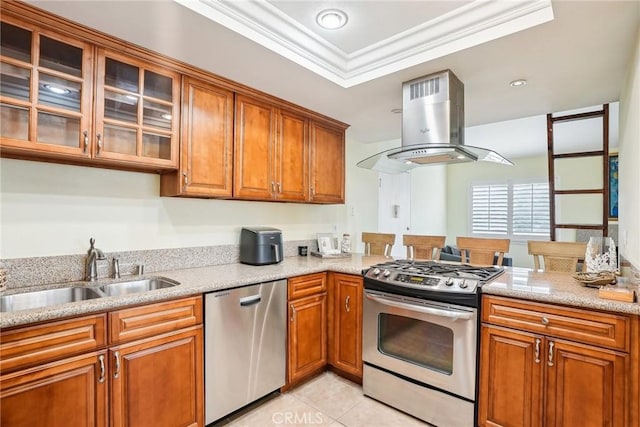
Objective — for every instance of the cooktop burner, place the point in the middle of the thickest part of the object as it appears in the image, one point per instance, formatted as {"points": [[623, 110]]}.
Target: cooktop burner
{"points": [[424, 279], [442, 269]]}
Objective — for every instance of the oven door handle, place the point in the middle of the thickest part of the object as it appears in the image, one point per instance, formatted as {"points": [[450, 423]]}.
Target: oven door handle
{"points": [[455, 315]]}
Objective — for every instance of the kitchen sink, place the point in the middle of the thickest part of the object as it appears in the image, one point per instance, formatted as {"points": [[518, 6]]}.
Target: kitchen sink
{"points": [[51, 297], [46, 298], [135, 286]]}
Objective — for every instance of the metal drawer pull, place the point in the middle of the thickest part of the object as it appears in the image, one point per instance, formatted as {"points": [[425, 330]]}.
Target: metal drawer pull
{"points": [[102, 368], [273, 187], [545, 321], [279, 188], [85, 141], [116, 374], [293, 312], [550, 361], [186, 179], [537, 350], [346, 303], [99, 144]]}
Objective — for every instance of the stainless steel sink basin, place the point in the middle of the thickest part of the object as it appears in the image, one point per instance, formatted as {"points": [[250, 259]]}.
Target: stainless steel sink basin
{"points": [[135, 286], [45, 298]]}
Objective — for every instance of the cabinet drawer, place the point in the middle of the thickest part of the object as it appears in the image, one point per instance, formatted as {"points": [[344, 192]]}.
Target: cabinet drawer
{"points": [[153, 319], [35, 345], [588, 327], [309, 284]]}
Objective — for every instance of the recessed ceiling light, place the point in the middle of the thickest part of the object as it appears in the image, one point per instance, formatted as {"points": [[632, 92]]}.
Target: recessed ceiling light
{"points": [[517, 83], [332, 19], [57, 89]]}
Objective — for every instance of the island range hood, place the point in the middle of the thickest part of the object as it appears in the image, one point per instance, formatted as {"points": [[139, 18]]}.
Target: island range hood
{"points": [[432, 128]]}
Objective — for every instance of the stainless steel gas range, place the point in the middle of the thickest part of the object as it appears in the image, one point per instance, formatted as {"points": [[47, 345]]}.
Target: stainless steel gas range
{"points": [[420, 338]]}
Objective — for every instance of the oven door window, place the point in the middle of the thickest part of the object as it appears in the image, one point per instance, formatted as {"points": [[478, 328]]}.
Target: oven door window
{"points": [[416, 341]]}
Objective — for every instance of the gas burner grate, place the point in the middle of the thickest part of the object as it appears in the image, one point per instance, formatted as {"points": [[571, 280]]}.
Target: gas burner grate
{"points": [[434, 268]]}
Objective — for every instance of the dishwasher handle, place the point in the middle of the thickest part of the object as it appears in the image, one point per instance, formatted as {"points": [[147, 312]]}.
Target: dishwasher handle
{"points": [[250, 300]]}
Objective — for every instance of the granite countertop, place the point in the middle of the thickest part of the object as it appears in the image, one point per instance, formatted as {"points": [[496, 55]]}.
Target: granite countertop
{"points": [[557, 288]]}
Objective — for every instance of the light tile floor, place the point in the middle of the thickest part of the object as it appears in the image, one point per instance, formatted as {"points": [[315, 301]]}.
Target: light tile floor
{"points": [[327, 400]]}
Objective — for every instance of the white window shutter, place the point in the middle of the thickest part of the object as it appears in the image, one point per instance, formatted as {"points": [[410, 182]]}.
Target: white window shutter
{"points": [[531, 209], [490, 209]]}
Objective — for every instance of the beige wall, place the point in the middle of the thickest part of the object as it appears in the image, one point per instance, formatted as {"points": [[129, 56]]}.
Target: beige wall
{"points": [[629, 166], [50, 209]]}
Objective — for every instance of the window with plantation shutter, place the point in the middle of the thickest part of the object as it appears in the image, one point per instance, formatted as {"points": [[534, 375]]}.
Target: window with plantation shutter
{"points": [[530, 209], [490, 212], [513, 210]]}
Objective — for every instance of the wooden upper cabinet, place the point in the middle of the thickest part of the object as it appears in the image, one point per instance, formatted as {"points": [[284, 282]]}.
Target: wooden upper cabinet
{"points": [[255, 123], [292, 159], [137, 111], [271, 152], [206, 158], [45, 92], [64, 98], [327, 164]]}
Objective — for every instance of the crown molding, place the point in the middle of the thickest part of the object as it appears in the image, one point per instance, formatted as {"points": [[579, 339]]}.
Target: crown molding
{"points": [[470, 25]]}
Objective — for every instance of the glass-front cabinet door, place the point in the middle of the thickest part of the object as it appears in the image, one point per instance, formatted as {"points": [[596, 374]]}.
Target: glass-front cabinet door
{"points": [[137, 109], [45, 91]]}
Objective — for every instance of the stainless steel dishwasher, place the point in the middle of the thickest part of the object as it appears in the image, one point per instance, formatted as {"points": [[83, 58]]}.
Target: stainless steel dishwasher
{"points": [[245, 346]]}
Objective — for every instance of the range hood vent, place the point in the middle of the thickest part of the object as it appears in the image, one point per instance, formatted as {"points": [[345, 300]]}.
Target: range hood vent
{"points": [[432, 128]]}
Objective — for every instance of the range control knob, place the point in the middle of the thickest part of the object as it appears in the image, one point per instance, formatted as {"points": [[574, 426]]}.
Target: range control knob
{"points": [[449, 281], [376, 271], [463, 284], [386, 273]]}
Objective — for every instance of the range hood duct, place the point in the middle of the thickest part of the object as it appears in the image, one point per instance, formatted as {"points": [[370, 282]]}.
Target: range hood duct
{"points": [[432, 128]]}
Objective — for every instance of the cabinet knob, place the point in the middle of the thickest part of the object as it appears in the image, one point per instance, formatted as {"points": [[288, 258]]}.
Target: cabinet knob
{"points": [[545, 321]]}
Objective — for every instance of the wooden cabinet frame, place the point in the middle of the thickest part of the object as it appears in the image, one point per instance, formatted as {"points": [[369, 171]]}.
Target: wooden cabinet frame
{"points": [[549, 365]]}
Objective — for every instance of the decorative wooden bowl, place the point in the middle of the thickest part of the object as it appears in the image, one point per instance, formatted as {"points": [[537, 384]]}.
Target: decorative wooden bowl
{"points": [[595, 279]]}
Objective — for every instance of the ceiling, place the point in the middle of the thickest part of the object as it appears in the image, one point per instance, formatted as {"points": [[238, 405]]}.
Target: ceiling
{"points": [[572, 53]]}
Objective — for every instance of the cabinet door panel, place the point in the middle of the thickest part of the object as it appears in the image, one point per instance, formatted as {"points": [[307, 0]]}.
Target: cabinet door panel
{"points": [[510, 378], [46, 85], [327, 164], [254, 176], [347, 323], [293, 157], [207, 140], [586, 386], [307, 336], [137, 111], [159, 381], [59, 394]]}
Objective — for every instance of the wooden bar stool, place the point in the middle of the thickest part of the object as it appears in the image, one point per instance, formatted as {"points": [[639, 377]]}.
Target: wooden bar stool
{"points": [[557, 256], [378, 243], [476, 250], [423, 247]]}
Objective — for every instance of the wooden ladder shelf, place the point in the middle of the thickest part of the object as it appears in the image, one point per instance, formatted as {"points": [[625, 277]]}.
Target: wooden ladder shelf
{"points": [[552, 157]]}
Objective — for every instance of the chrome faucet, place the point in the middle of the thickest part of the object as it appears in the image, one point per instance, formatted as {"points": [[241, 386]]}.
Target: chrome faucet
{"points": [[91, 263]]}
